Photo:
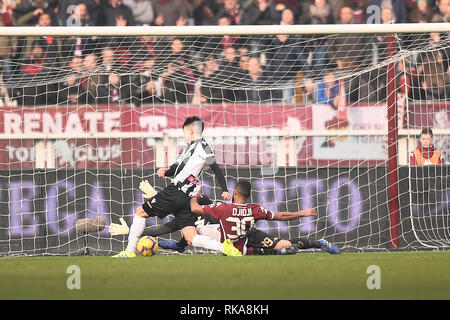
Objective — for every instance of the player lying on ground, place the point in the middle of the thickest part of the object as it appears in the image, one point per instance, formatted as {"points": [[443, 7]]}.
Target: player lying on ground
{"points": [[237, 218], [175, 198], [259, 242]]}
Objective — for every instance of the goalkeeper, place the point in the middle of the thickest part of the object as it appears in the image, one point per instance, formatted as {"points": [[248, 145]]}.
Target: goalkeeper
{"points": [[259, 242], [176, 197]]}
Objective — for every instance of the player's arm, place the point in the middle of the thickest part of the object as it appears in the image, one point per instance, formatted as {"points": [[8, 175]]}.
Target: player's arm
{"points": [[195, 206], [286, 216], [218, 173], [167, 172]]}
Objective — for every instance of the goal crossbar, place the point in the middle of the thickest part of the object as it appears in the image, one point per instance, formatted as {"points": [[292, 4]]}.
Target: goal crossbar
{"points": [[227, 30]]}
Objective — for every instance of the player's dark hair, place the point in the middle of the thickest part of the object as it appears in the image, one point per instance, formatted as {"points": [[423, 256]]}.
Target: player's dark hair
{"points": [[193, 119], [244, 188], [427, 131]]}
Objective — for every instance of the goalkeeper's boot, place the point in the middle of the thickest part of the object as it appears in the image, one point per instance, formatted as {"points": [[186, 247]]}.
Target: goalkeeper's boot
{"points": [[169, 244], [287, 250], [229, 249], [328, 247], [125, 254]]}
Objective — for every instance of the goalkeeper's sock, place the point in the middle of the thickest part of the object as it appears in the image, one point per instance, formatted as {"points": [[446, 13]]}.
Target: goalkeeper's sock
{"points": [[181, 245], [304, 243], [172, 245], [136, 230], [263, 251], [287, 250], [207, 243]]}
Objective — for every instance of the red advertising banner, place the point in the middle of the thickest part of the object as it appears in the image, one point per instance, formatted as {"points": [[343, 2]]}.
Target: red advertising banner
{"points": [[135, 152], [251, 133]]}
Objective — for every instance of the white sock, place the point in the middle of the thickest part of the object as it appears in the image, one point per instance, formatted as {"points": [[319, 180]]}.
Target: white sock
{"points": [[207, 243], [136, 230]]}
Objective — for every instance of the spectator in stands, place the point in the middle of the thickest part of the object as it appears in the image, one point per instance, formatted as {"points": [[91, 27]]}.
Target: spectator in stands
{"points": [[231, 74], [143, 47], [206, 11], [177, 82], [177, 76], [426, 153], [320, 12], [243, 60], [142, 11], [287, 17], [387, 16], [262, 12], [227, 40], [67, 16], [178, 51], [105, 84], [435, 40], [9, 51], [33, 12], [434, 81], [347, 15], [349, 52], [328, 89], [444, 12], [79, 17], [49, 44], [210, 77], [27, 12], [407, 80], [284, 61], [254, 81], [71, 91], [170, 13], [231, 9], [35, 69], [421, 12], [145, 86], [108, 60], [398, 6], [115, 13], [79, 46], [90, 83]]}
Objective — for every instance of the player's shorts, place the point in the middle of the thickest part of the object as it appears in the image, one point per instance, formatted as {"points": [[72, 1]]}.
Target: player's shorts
{"points": [[171, 200], [260, 239]]}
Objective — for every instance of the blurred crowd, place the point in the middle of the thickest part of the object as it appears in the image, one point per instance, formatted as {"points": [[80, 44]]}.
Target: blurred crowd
{"points": [[214, 69]]}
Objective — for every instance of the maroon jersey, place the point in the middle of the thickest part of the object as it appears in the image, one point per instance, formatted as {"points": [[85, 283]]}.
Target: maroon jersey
{"points": [[236, 219]]}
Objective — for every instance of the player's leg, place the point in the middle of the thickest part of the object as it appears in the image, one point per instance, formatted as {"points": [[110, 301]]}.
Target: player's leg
{"points": [[187, 223], [261, 243], [136, 229], [162, 204], [305, 243]]}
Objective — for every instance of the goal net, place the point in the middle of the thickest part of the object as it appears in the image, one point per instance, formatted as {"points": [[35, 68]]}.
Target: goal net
{"points": [[313, 117]]}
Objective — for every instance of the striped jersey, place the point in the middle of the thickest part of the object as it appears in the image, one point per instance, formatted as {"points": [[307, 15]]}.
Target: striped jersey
{"points": [[190, 164]]}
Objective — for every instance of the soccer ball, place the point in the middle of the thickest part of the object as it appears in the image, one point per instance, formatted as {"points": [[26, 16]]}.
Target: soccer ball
{"points": [[147, 246]]}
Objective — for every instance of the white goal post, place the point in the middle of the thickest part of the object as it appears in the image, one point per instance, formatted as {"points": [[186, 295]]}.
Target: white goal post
{"points": [[348, 156]]}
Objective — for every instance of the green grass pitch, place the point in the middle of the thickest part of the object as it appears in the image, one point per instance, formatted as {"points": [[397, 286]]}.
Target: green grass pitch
{"points": [[403, 275]]}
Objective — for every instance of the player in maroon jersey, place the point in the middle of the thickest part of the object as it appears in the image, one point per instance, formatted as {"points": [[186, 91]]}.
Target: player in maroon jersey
{"points": [[237, 218]]}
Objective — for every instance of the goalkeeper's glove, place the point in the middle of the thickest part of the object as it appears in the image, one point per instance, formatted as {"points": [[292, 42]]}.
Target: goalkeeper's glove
{"points": [[147, 189], [118, 229]]}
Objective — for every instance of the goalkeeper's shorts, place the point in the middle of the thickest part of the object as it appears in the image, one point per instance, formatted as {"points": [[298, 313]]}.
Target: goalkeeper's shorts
{"points": [[260, 239]]}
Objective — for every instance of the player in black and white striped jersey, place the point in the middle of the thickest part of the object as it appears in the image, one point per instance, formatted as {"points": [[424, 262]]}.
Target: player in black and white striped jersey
{"points": [[175, 198]]}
